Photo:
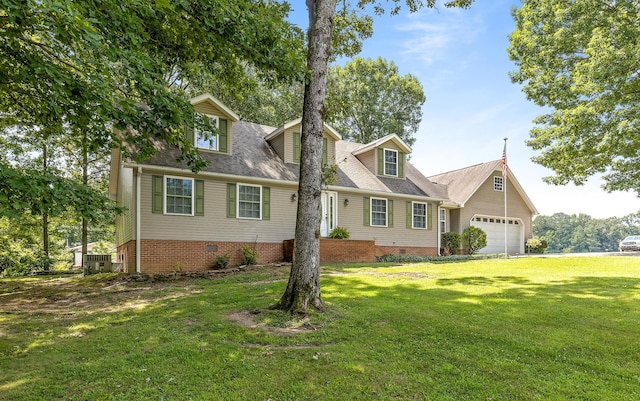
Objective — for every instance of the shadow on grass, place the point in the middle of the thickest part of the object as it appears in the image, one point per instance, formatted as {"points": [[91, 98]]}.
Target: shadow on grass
{"points": [[474, 337]]}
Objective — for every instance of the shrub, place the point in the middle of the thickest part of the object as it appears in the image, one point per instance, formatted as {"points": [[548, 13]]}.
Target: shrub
{"points": [[474, 239], [249, 255], [450, 243], [222, 262], [536, 245], [339, 233]]}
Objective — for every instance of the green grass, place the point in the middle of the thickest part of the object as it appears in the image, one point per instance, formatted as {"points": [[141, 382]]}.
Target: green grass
{"points": [[517, 329]]}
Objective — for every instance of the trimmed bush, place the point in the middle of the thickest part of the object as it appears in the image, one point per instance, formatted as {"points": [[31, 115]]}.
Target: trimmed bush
{"points": [[474, 239]]}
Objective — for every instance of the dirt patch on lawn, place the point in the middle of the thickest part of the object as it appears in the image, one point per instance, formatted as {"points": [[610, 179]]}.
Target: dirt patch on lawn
{"points": [[253, 320]]}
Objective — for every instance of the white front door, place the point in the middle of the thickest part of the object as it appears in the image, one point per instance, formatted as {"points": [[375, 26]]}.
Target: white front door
{"points": [[328, 213]]}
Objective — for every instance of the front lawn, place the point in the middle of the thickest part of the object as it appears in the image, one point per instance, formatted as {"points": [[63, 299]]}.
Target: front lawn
{"points": [[516, 329]]}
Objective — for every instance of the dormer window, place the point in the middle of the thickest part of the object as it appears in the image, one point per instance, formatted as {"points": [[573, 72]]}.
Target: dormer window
{"points": [[208, 137], [391, 162]]}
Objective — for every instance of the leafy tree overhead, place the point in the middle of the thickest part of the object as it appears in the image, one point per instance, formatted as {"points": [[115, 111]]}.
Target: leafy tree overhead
{"points": [[580, 59], [368, 99], [127, 64]]}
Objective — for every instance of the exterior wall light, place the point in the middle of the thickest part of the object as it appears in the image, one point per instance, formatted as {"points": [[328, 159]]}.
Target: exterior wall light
{"points": [[293, 197], [346, 201]]}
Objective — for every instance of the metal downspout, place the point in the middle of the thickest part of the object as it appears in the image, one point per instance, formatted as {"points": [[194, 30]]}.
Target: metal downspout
{"points": [[138, 179]]}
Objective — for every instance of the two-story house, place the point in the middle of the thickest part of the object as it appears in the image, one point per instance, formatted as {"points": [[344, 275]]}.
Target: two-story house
{"points": [[247, 195]]}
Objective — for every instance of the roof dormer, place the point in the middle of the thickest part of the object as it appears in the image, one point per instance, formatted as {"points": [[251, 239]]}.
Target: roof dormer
{"points": [[217, 122], [384, 157], [286, 142]]}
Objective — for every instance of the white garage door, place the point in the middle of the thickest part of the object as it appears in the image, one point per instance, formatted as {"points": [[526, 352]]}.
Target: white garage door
{"points": [[494, 227]]}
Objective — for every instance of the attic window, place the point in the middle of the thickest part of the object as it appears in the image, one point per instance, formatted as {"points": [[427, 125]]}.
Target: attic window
{"points": [[498, 184], [391, 162], [207, 137]]}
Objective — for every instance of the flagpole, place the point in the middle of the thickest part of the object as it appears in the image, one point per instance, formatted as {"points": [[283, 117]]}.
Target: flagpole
{"points": [[504, 188]]}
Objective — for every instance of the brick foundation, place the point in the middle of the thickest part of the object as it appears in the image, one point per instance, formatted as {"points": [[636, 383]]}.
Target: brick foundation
{"points": [[168, 256], [346, 251], [406, 250]]}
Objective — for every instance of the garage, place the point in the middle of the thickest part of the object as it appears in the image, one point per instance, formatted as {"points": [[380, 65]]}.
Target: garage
{"points": [[494, 227]]}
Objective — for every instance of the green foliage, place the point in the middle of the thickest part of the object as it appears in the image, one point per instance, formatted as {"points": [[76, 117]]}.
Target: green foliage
{"points": [[339, 233], [368, 99], [222, 261], [582, 233], [37, 192], [450, 243], [249, 255], [536, 245], [474, 239], [580, 60]]}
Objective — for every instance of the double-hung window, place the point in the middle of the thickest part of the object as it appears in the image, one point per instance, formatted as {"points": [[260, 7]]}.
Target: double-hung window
{"points": [[391, 162], [498, 183], [378, 212], [443, 220], [249, 201], [419, 215], [207, 136], [178, 195]]}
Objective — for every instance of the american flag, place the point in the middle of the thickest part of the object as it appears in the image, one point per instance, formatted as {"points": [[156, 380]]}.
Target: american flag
{"points": [[503, 161]]}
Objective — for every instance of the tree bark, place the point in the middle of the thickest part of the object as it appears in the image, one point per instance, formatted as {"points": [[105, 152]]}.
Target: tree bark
{"points": [[85, 181], [45, 215], [303, 289]]}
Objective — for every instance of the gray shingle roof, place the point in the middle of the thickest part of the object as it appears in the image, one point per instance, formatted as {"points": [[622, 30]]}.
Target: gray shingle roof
{"points": [[462, 183], [252, 156]]}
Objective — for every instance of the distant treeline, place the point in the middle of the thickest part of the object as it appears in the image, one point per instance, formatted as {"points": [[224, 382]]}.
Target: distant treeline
{"points": [[582, 233]]}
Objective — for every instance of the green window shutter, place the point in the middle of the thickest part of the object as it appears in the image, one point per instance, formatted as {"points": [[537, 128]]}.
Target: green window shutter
{"points": [[366, 204], [429, 216], [400, 164], [266, 203], [380, 161], [409, 214], [157, 189], [199, 190], [188, 130], [389, 213], [231, 200], [223, 139], [296, 147], [325, 157]]}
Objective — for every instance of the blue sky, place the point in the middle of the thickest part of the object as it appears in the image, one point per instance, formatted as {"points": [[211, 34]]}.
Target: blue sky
{"points": [[460, 58]]}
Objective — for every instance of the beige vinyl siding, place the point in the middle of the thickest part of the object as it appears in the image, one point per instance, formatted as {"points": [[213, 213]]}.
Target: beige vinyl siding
{"points": [[125, 222], [487, 201], [278, 145], [287, 147], [214, 225], [399, 235], [209, 108], [368, 159]]}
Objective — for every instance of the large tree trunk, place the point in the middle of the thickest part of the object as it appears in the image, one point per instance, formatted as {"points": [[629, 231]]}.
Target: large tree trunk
{"points": [[45, 215], [303, 289], [85, 181]]}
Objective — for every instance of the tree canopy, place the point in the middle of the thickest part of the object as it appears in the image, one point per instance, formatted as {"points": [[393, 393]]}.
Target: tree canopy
{"points": [[582, 233], [368, 99], [126, 64], [580, 59]]}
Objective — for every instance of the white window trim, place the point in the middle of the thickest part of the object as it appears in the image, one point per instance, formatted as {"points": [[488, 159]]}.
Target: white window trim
{"points": [[238, 201], [217, 135], [164, 195], [413, 215], [495, 183], [442, 218], [384, 161], [386, 212]]}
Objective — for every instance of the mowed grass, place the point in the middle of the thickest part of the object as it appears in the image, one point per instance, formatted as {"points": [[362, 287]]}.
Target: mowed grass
{"points": [[517, 329]]}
